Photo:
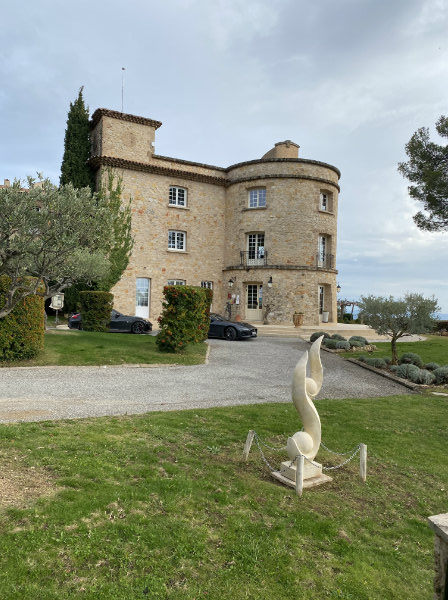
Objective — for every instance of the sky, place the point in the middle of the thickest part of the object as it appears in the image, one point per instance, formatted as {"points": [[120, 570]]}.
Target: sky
{"points": [[349, 81]]}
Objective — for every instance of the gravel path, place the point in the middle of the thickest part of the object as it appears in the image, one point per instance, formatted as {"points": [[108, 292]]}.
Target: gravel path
{"points": [[244, 372]]}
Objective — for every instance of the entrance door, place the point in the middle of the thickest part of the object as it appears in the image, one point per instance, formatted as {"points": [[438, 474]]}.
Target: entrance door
{"points": [[142, 297], [254, 305]]}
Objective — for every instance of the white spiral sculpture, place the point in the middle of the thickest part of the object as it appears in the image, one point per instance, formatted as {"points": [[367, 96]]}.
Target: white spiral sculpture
{"points": [[304, 390]]}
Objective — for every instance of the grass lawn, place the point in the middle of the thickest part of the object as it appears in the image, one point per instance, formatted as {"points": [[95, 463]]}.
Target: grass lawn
{"points": [[162, 506], [433, 349], [71, 347]]}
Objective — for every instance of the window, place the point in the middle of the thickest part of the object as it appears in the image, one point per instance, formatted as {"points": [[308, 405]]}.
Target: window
{"points": [[176, 281], [208, 285], [326, 201], [321, 298], [257, 198], [324, 256], [323, 201], [178, 196], [177, 240]]}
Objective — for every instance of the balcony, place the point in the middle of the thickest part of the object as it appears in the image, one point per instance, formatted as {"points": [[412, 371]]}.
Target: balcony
{"points": [[254, 258], [325, 261]]}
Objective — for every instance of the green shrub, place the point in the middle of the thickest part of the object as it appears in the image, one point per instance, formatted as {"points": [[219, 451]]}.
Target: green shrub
{"points": [[356, 344], [22, 330], [363, 358], [431, 366], [378, 363], [357, 341], [347, 318], [342, 345], [439, 325], [408, 371], [337, 336], [317, 334], [441, 375], [95, 310], [411, 358], [426, 377], [185, 317], [330, 344]]}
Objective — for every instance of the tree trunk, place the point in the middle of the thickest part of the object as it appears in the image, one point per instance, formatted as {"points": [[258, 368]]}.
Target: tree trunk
{"points": [[393, 343]]}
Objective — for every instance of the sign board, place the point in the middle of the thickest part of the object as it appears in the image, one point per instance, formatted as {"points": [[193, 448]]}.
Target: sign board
{"points": [[57, 302]]}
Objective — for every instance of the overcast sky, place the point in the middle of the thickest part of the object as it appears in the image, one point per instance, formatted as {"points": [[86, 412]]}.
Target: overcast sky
{"points": [[347, 80]]}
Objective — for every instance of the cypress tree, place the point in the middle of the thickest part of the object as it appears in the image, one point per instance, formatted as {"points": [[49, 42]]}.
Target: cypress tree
{"points": [[74, 168]]}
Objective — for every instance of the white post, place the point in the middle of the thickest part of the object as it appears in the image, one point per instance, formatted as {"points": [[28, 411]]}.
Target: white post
{"points": [[299, 474], [248, 444], [363, 461]]}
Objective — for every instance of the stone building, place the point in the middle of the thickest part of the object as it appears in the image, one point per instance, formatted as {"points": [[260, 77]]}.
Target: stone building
{"points": [[261, 234]]}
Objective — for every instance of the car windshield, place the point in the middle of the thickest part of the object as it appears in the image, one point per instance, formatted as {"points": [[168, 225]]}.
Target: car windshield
{"points": [[216, 317]]}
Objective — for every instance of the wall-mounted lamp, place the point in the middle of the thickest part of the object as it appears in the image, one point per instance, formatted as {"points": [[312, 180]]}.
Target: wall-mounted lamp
{"points": [[270, 282], [338, 288], [231, 282]]}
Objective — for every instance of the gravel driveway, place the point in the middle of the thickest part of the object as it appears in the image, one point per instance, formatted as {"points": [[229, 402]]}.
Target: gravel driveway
{"points": [[243, 372]]}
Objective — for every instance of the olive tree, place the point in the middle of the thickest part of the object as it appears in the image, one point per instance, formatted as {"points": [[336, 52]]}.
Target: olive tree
{"points": [[52, 237], [398, 317]]}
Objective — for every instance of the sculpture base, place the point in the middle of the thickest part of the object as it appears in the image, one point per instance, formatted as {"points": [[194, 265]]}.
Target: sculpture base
{"points": [[310, 469], [312, 474]]}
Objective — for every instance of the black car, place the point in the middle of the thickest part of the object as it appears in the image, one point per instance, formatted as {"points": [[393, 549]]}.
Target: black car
{"points": [[118, 322], [230, 330]]}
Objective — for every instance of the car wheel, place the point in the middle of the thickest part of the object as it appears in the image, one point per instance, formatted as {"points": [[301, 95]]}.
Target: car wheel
{"points": [[138, 327], [230, 333]]}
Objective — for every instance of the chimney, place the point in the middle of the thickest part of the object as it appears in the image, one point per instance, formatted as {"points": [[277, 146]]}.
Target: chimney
{"points": [[286, 149]]}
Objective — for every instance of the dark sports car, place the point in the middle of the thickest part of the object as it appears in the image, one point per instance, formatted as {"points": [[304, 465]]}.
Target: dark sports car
{"points": [[118, 322], [230, 330]]}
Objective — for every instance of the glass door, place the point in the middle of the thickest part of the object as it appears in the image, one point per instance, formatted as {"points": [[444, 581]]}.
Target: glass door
{"points": [[255, 249], [142, 297], [254, 299]]}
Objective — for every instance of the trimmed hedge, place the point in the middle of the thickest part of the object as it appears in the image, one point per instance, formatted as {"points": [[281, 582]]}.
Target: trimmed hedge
{"points": [[22, 331], [95, 309], [185, 317]]}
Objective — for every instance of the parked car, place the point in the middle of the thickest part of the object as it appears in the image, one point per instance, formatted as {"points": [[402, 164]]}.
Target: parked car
{"points": [[230, 330], [118, 322]]}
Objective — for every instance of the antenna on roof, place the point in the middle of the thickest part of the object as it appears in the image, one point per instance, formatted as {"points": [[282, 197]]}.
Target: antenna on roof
{"points": [[123, 69]]}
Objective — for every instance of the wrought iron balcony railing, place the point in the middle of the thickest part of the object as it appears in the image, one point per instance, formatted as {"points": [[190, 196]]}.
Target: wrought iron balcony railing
{"points": [[325, 261], [254, 258]]}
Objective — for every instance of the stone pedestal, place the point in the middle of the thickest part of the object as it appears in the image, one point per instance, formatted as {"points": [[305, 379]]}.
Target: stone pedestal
{"points": [[312, 474], [439, 523]]}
